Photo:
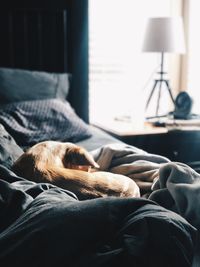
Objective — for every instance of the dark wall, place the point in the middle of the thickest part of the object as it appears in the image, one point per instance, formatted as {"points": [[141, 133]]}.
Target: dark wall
{"points": [[50, 36]]}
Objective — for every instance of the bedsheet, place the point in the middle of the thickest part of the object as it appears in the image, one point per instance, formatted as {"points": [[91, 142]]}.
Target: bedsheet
{"points": [[98, 138], [43, 225]]}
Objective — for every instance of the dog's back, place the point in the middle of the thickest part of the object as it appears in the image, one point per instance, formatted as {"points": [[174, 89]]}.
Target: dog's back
{"points": [[66, 165]]}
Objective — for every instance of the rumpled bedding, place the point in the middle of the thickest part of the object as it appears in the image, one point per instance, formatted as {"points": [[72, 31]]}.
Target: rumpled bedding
{"points": [[172, 185], [43, 225], [178, 189], [135, 163]]}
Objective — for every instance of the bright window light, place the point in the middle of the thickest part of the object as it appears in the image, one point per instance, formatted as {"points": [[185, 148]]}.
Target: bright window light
{"points": [[193, 80], [120, 74]]}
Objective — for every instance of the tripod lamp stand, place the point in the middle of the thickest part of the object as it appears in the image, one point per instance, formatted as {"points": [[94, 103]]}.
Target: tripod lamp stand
{"points": [[164, 35]]}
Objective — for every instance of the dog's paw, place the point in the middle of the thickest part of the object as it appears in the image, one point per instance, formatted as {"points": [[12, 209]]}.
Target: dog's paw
{"points": [[79, 158]]}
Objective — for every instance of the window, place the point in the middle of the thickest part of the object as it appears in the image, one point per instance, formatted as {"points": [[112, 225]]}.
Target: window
{"points": [[120, 75], [193, 59]]}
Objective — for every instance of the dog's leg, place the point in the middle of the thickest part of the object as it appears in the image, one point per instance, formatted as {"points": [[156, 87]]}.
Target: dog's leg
{"points": [[76, 156], [90, 185]]}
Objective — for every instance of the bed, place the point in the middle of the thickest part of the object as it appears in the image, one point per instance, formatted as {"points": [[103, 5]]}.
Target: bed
{"points": [[44, 96]]}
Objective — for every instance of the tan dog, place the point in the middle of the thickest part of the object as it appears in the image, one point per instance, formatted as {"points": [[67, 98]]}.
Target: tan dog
{"points": [[67, 165]]}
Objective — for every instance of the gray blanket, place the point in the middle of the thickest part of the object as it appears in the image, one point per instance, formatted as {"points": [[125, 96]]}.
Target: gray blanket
{"points": [[178, 189], [173, 185], [135, 163], [43, 225]]}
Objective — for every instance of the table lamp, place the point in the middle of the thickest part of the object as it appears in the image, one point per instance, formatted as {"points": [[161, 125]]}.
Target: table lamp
{"points": [[163, 35]]}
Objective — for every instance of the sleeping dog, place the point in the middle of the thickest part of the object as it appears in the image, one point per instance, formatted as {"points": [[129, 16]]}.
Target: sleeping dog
{"points": [[71, 167]]}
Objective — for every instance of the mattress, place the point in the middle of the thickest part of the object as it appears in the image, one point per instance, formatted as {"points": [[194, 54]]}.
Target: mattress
{"points": [[99, 138]]}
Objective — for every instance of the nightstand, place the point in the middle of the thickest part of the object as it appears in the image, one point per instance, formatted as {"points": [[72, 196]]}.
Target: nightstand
{"points": [[176, 144]]}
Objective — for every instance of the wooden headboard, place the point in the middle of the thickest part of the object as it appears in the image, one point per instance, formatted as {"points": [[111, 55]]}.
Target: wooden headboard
{"points": [[48, 35]]}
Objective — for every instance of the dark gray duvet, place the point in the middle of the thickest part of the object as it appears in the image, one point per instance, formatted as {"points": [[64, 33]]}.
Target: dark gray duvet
{"points": [[42, 225]]}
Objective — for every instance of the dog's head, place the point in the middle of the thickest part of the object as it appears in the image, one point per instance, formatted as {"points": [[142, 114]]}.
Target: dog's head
{"points": [[78, 158]]}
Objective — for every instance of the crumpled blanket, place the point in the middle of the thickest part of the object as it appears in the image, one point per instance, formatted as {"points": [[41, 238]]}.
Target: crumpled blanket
{"points": [[178, 189], [135, 163], [43, 225], [173, 185]]}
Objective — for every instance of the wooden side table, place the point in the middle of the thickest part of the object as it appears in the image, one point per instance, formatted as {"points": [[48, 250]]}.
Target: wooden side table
{"points": [[181, 145]]}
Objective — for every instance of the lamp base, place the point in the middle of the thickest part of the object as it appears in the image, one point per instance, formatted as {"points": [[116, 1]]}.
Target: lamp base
{"points": [[159, 82]]}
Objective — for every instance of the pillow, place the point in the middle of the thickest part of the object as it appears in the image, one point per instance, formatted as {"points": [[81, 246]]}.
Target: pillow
{"points": [[30, 122], [22, 85], [9, 150]]}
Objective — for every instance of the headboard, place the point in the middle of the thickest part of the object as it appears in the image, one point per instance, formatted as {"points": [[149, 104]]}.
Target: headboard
{"points": [[48, 35]]}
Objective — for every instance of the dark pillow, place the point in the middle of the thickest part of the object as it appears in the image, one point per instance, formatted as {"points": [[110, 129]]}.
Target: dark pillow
{"points": [[30, 122], [23, 85], [9, 150]]}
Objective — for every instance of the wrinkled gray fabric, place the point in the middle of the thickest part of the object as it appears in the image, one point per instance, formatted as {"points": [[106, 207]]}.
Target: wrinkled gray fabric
{"points": [[178, 189], [173, 185], [43, 225], [135, 163], [9, 149], [176, 186]]}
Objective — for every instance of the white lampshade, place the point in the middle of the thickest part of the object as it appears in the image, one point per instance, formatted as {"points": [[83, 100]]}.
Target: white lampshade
{"points": [[164, 34]]}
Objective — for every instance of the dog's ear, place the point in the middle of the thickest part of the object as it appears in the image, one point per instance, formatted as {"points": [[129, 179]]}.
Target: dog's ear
{"points": [[79, 156]]}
